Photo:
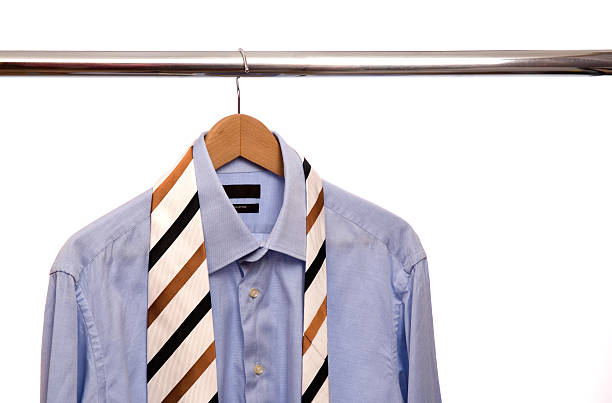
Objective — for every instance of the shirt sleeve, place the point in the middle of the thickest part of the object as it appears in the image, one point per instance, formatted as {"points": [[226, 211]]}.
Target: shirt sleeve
{"points": [[423, 385], [64, 358]]}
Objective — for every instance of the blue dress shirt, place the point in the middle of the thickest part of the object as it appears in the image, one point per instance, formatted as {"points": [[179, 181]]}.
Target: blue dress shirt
{"points": [[380, 334]]}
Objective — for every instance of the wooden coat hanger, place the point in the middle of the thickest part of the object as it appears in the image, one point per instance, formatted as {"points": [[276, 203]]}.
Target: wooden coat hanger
{"points": [[241, 135]]}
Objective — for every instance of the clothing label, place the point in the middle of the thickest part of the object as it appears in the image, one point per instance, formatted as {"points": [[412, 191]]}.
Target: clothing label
{"points": [[242, 191], [247, 207]]}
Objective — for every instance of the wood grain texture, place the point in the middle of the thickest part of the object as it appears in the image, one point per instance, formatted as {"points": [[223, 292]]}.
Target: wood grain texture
{"points": [[241, 135]]}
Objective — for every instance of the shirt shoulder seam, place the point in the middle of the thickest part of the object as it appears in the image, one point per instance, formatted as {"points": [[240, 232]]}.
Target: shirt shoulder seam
{"points": [[100, 250], [110, 242], [64, 272], [369, 232], [414, 260]]}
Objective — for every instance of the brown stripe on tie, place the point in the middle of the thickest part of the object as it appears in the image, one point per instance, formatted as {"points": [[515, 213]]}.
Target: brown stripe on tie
{"points": [[192, 375], [314, 212], [314, 326], [175, 284], [162, 190]]}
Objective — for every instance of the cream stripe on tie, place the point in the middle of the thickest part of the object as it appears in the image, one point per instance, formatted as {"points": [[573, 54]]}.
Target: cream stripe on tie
{"points": [[180, 336], [181, 358]]}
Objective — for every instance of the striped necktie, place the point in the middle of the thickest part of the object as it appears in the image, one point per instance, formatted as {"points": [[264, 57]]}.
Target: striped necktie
{"points": [[181, 360]]}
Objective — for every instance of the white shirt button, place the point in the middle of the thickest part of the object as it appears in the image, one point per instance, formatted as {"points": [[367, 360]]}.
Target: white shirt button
{"points": [[254, 293], [258, 369]]}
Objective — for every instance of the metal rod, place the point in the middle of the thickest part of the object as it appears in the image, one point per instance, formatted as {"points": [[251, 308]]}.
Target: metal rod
{"points": [[300, 63]]}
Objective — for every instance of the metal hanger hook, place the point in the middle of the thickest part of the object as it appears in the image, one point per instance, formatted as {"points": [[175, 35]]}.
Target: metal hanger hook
{"points": [[246, 70]]}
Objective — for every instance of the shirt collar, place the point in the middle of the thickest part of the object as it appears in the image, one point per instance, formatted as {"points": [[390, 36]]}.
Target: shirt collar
{"points": [[226, 236]]}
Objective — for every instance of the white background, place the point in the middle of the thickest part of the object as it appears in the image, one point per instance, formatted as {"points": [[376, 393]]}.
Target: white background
{"points": [[506, 179]]}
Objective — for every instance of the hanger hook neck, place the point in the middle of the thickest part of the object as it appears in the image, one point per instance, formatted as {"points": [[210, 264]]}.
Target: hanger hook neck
{"points": [[246, 70], [238, 92]]}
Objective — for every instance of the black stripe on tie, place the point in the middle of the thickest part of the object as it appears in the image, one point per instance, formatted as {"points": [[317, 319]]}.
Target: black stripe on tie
{"points": [[190, 322], [315, 385], [306, 167], [215, 398], [316, 264], [174, 231]]}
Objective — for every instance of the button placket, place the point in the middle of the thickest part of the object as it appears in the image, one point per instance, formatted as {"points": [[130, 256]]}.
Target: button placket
{"points": [[249, 295]]}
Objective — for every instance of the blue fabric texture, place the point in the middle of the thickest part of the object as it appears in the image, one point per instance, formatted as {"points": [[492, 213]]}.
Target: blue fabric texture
{"points": [[380, 332]]}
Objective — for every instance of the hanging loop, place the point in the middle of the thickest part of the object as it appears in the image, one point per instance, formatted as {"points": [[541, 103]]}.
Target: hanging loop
{"points": [[246, 70]]}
